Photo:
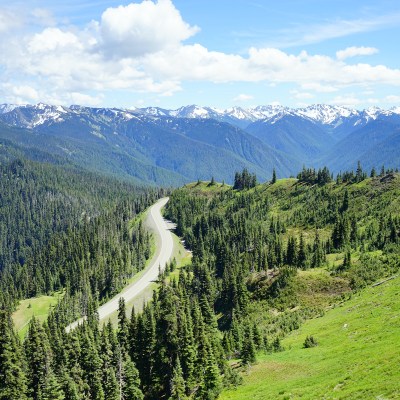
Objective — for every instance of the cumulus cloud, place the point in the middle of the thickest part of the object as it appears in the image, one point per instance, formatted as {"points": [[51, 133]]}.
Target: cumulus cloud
{"points": [[355, 51], [137, 29]]}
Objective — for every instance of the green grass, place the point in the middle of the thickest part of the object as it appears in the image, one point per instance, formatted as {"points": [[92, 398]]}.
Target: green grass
{"points": [[357, 356], [38, 307]]}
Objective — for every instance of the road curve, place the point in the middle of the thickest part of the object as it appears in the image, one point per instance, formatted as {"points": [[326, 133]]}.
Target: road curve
{"points": [[164, 252]]}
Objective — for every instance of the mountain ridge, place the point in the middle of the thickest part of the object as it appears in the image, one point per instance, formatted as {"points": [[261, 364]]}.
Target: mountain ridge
{"points": [[161, 146]]}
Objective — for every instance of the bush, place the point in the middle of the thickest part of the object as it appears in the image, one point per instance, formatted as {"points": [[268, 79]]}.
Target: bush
{"points": [[310, 342]]}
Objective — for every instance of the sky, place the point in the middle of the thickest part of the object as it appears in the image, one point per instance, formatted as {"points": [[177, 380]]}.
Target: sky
{"points": [[219, 53]]}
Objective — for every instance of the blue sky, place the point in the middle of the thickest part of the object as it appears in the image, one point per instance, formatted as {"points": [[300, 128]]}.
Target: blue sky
{"points": [[220, 53]]}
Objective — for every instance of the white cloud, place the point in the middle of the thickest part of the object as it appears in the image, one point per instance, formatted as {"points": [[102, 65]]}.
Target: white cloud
{"points": [[355, 51], [243, 97], [53, 40], [137, 29], [19, 94]]}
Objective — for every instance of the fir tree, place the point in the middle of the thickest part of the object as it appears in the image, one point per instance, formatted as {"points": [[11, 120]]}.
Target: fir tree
{"points": [[273, 176], [129, 381], [178, 389], [13, 384], [123, 325], [248, 353], [38, 355]]}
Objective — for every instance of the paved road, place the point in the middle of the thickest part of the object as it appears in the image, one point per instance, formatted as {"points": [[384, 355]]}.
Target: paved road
{"points": [[165, 244]]}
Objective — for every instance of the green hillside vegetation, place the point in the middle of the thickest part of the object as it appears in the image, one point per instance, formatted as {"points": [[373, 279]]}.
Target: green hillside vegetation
{"points": [[270, 263], [356, 356], [283, 253]]}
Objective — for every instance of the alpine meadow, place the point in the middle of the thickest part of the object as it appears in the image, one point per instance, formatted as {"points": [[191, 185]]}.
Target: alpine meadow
{"points": [[152, 248]]}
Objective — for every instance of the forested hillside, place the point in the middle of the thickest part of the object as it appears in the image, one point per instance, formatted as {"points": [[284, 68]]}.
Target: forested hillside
{"points": [[66, 229], [271, 256], [266, 258]]}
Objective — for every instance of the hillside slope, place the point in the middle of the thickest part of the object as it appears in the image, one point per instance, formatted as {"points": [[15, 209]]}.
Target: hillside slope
{"points": [[356, 356]]}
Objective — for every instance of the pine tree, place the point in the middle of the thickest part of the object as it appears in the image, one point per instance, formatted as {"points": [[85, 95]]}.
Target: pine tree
{"points": [[302, 255], [291, 252], [345, 203], [123, 325], [109, 381], [318, 254], [13, 384], [91, 365], [273, 176], [359, 173], [188, 349], [52, 389], [129, 382], [38, 355], [211, 385], [248, 353], [178, 389]]}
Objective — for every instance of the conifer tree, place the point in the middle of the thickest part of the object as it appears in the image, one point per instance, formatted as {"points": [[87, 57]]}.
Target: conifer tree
{"points": [[273, 176], [187, 349], [52, 389], [248, 353], [178, 387], [38, 355], [123, 325], [13, 384], [91, 364], [345, 203], [128, 377], [302, 255], [211, 384], [318, 254]]}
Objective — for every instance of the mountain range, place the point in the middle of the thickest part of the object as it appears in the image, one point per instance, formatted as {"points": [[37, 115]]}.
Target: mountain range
{"points": [[170, 147]]}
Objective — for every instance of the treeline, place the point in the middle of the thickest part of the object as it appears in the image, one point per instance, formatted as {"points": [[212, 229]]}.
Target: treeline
{"points": [[323, 176]]}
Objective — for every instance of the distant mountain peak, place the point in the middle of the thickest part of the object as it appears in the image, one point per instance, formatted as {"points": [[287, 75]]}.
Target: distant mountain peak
{"points": [[322, 114]]}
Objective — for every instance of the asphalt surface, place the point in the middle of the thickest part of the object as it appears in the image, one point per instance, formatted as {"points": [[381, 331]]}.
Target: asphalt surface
{"points": [[164, 243]]}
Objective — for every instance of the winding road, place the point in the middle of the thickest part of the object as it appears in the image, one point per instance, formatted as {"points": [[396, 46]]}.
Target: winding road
{"points": [[164, 243]]}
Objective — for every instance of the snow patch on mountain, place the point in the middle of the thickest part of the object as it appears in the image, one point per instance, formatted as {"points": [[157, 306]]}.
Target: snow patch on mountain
{"points": [[325, 114], [5, 108]]}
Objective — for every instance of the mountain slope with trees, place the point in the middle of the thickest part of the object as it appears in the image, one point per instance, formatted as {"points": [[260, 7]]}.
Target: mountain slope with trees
{"points": [[266, 258]]}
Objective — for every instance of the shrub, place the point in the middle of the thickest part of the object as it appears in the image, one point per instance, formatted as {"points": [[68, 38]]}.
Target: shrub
{"points": [[310, 342]]}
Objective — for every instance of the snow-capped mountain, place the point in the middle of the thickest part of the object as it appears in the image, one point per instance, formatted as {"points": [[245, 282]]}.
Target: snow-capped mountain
{"points": [[194, 138], [30, 116]]}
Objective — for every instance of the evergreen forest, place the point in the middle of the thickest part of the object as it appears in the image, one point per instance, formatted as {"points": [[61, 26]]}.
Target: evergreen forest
{"points": [[265, 259]]}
